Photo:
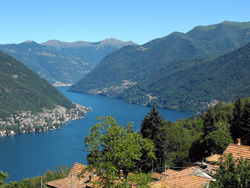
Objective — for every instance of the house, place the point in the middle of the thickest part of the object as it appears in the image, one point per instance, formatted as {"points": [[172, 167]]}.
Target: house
{"points": [[190, 177], [238, 150], [75, 178]]}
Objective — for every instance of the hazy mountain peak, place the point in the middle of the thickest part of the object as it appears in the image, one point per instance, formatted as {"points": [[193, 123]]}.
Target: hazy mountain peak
{"points": [[28, 41], [57, 43], [111, 41]]}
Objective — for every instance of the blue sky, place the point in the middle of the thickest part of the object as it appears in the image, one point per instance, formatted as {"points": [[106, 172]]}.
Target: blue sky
{"points": [[94, 20]]}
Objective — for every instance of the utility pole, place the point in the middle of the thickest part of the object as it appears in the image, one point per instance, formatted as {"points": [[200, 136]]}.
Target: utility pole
{"points": [[41, 183]]}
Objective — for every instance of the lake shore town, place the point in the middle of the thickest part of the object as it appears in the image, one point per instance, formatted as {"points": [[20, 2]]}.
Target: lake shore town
{"points": [[49, 119]]}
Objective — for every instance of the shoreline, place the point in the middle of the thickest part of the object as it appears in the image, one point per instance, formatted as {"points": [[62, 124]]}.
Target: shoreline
{"points": [[62, 84], [49, 119]]}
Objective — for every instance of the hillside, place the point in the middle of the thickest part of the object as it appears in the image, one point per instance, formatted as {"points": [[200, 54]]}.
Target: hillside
{"points": [[62, 62], [132, 64], [192, 85], [22, 89]]}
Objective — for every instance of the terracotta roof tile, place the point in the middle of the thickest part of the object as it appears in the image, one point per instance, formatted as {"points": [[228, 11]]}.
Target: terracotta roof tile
{"points": [[189, 177], [77, 169], [182, 181], [67, 182], [238, 151], [158, 176], [169, 171], [77, 181], [213, 158]]}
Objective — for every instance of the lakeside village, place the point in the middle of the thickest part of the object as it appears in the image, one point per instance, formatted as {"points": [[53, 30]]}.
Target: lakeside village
{"points": [[49, 119]]}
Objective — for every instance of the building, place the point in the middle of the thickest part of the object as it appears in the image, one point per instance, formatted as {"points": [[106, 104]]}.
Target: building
{"points": [[77, 178]]}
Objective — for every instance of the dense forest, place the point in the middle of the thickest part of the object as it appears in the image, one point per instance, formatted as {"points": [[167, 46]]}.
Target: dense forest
{"points": [[190, 85], [169, 71], [23, 90]]}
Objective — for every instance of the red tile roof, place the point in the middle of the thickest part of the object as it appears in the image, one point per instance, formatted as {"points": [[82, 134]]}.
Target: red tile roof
{"points": [[213, 158], [238, 151], [169, 172], [189, 178], [78, 181]]}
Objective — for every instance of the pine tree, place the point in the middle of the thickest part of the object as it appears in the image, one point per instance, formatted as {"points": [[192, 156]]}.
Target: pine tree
{"points": [[244, 129], [209, 122], [235, 123], [153, 127]]}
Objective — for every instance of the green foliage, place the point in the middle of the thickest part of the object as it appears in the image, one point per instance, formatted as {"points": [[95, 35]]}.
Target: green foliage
{"points": [[232, 173], [22, 89], [3, 177], [62, 171], [215, 135], [199, 82], [235, 123], [178, 141], [172, 140], [116, 148], [174, 69], [153, 127], [35, 182], [216, 141], [59, 61], [240, 124], [244, 128]]}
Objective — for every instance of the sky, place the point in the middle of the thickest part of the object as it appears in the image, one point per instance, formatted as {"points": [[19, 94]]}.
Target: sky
{"points": [[128, 20]]}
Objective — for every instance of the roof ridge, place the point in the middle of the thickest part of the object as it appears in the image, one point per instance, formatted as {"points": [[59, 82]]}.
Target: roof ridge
{"points": [[178, 172]]}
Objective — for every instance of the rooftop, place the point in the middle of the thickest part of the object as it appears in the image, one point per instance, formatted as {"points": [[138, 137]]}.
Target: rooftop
{"points": [[238, 151], [188, 178]]}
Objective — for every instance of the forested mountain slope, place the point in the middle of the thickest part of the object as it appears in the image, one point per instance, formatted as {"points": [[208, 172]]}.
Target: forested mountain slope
{"points": [[22, 89], [62, 62], [192, 85], [132, 64]]}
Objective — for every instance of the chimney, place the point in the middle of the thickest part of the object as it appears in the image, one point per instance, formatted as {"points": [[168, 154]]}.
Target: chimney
{"points": [[238, 141]]}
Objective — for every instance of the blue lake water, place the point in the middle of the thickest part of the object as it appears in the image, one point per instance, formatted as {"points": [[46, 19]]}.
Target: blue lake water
{"points": [[29, 155]]}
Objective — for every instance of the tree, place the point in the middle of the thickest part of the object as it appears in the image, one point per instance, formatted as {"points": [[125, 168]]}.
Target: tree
{"points": [[209, 122], [3, 177], [235, 123], [232, 173], [178, 142], [62, 171], [244, 128], [153, 127], [115, 151], [216, 141]]}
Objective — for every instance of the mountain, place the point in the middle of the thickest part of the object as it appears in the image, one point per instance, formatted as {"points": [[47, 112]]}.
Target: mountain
{"points": [[198, 83], [108, 42], [133, 64], [62, 62], [162, 71], [23, 90]]}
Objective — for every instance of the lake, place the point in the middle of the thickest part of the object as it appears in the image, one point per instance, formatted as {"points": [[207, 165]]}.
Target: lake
{"points": [[29, 155]]}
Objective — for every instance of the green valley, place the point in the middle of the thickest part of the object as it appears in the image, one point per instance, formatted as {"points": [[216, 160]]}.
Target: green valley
{"points": [[62, 62]]}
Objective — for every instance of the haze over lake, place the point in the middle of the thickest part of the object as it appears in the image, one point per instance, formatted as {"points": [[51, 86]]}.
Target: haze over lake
{"points": [[29, 155]]}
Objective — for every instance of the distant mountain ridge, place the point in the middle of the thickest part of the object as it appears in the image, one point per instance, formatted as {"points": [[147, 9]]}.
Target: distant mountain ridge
{"points": [[62, 62], [106, 42], [132, 65]]}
